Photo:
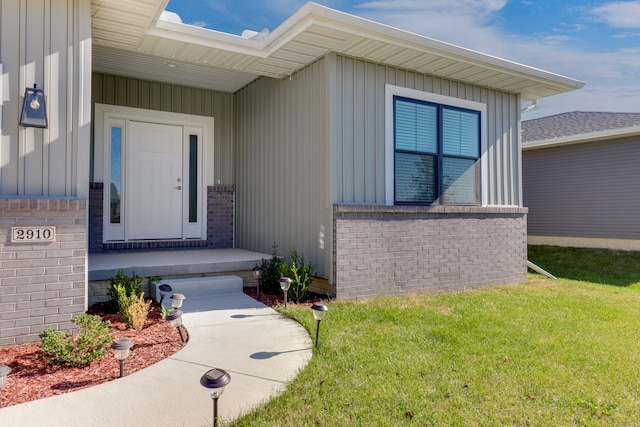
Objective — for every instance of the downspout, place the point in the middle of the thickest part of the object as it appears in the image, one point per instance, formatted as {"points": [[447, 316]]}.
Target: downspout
{"points": [[540, 270]]}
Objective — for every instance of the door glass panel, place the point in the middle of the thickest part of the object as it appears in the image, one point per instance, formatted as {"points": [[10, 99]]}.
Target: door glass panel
{"points": [[115, 189], [193, 178]]}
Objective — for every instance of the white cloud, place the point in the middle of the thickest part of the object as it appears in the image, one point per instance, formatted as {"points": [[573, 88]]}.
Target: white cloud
{"points": [[624, 14], [611, 77]]}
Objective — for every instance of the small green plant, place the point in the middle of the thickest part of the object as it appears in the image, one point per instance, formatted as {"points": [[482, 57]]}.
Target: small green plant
{"points": [[130, 284], [300, 273], [270, 279], [598, 409], [133, 309], [92, 341]]}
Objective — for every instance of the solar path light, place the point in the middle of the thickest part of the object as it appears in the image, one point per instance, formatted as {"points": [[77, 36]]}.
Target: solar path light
{"points": [[164, 289], [121, 348], [257, 273], [215, 380], [285, 283], [175, 319], [319, 311], [177, 300]]}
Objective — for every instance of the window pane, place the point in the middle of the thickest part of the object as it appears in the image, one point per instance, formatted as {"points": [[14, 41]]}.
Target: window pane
{"points": [[460, 132], [116, 175], [416, 126], [415, 178], [193, 178], [460, 180]]}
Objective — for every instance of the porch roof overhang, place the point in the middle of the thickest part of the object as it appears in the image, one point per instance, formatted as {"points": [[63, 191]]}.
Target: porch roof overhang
{"points": [[131, 39]]}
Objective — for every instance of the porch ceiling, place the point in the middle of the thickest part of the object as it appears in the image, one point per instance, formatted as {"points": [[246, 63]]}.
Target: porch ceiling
{"points": [[129, 38]]}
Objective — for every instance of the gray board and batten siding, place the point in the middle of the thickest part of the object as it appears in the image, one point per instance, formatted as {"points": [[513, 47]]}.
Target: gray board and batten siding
{"points": [[317, 139], [151, 95], [586, 190]]}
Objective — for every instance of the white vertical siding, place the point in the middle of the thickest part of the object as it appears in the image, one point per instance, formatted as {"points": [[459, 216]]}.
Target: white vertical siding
{"points": [[282, 156], [46, 43], [358, 128]]}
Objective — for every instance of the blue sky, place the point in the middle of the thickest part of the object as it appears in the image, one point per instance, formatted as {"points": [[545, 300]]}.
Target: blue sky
{"points": [[594, 41]]}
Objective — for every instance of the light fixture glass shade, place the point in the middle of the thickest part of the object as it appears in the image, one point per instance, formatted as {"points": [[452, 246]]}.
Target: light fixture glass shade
{"points": [[175, 318], [215, 380], [34, 109], [176, 300], [164, 288], [319, 311], [257, 272], [285, 283], [121, 348]]}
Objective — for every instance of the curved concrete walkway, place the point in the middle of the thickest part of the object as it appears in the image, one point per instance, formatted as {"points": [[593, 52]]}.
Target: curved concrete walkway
{"points": [[261, 350]]}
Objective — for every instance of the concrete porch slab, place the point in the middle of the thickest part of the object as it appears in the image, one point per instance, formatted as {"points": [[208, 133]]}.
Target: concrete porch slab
{"points": [[172, 262]]}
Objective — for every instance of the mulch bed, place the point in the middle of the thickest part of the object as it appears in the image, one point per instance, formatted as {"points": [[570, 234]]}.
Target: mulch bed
{"points": [[32, 378]]}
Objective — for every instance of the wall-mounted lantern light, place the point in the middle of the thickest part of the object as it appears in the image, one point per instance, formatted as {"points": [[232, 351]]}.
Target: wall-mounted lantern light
{"points": [[34, 109]]}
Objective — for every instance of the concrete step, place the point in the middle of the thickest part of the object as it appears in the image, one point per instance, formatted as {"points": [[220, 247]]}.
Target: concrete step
{"points": [[195, 287]]}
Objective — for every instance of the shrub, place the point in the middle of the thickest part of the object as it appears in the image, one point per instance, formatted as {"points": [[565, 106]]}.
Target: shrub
{"points": [[133, 308], [270, 279], [92, 341], [300, 273], [131, 284]]}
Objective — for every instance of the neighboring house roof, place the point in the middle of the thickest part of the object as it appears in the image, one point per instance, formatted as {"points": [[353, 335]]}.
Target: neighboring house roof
{"points": [[577, 127], [134, 38]]}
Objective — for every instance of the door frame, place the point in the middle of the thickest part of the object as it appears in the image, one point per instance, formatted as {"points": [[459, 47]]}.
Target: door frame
{"points": [[107, 116]]}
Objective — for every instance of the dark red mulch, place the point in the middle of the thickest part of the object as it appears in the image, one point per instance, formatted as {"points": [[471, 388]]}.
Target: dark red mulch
{"points": [[32, 378]]}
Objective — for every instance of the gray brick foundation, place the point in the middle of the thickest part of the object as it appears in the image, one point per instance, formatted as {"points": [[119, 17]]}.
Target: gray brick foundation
{"points": [[220, 210], [395, 250], [41, 284]]}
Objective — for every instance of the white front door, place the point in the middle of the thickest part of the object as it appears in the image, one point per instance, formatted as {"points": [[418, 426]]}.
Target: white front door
{"points": [[154, 193]]}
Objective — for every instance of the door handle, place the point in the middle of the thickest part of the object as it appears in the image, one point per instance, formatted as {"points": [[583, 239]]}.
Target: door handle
{"points": [[179, 187]]}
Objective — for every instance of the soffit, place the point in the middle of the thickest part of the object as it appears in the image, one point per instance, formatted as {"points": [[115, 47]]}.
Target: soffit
{"points": [[132, 41]]}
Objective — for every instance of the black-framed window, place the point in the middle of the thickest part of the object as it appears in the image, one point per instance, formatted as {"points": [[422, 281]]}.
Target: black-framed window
{"points": [[437, 153]]}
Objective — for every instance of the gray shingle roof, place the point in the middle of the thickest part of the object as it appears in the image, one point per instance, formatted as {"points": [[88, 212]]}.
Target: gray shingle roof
{"points": [[575, 123]]}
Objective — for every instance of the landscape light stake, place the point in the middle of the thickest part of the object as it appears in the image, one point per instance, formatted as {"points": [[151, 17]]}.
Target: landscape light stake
{"points": [[215, 380], [121, 349], [175, 319], [285, 283], [319, 311], [257, 273], [4, 371]]}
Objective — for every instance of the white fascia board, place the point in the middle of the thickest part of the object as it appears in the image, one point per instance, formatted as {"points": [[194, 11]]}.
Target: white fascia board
{"points": [[313, 14], [582, 138], [374, 30]]}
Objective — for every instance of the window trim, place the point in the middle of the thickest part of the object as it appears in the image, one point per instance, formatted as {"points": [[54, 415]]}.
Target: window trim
{"points": [[390, 92]]}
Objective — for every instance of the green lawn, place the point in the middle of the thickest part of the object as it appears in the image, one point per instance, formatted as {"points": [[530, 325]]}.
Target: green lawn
{"points": [[541, 353]]}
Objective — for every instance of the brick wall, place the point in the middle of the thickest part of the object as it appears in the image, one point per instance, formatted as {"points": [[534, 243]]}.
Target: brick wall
{"points": [[220, 216], [41, 283], [220, 209], [394, 250]]}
